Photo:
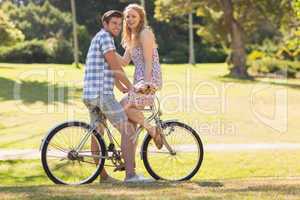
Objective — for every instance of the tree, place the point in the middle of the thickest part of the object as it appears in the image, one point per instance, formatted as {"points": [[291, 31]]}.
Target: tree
{"points": [[169, 36], [9, 34], [296, 8], [232, 23], [39, 21]]}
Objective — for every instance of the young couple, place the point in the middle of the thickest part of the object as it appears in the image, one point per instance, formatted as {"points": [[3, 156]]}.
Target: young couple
{"points": [[103, 70]]}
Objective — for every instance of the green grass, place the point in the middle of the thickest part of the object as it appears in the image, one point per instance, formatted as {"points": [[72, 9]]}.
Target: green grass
{"points": [[224, 116], [216, 166], [222, 176]]}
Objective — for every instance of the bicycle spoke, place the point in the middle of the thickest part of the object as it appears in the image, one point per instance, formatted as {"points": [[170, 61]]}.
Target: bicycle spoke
{"points": [[58, 147]]}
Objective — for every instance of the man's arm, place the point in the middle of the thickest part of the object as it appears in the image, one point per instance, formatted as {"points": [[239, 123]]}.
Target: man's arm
{"points": [[115, 66], [120, 86], [125, 59]]}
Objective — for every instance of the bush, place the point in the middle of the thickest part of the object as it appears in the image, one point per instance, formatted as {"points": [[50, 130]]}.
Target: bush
{"points": [[265, 66], [290, 49], [256, 55], [62, 51], [208, 54], [203, 54], [39, 21], [175, 57], [38, 51], [9, 34], [26, 52], [84, 40]]}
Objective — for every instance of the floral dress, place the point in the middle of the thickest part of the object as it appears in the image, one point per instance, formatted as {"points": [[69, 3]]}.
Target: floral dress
{"points": [[137, 58]]}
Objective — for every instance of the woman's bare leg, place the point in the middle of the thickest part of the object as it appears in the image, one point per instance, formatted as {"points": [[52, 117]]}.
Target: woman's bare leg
{"points": [[136, 116]]}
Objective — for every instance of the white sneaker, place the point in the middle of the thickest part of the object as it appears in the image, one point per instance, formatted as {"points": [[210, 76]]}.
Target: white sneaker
{"points": [[138, 179]]}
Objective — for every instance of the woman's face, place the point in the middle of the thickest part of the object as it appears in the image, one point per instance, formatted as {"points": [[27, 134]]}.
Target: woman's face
{"points": [[132, 19]]}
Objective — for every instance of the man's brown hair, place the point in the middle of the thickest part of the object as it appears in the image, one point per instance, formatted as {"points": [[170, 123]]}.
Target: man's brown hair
{"points": [[106, 17]]}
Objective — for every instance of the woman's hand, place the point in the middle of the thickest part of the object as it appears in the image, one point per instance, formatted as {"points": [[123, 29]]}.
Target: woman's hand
{"points": [[145, 88], [139, 87]]}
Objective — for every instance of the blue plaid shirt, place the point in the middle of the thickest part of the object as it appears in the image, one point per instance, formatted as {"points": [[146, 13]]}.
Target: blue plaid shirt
{"points": [[98, 78]]}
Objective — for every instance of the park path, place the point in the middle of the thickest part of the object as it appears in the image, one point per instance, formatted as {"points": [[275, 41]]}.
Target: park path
{"points": [[13, 154]]}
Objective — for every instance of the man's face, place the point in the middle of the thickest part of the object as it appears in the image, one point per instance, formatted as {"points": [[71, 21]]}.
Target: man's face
{"points": [[114, 26]]}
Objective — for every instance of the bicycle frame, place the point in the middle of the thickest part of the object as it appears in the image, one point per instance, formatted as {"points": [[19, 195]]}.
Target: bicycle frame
{"points": [[156, 113]]}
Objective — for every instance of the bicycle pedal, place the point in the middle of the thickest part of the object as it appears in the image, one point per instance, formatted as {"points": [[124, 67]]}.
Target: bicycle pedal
{"points": [[119, 168]]}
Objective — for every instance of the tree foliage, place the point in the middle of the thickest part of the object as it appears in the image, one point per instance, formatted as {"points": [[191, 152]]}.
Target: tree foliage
{"points": [[39, 22], [9, 34], [249, 25], [233, 24]]}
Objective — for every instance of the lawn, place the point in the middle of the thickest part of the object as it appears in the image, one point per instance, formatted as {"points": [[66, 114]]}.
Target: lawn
{"points": [[35, 97], [216, 166], [222, 176]]}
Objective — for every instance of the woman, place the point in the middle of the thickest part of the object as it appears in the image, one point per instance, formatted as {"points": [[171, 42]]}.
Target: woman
{"points": [[139, 43]]}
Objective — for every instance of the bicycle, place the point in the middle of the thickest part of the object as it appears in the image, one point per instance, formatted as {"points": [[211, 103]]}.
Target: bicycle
{"points": [[67, 156]]}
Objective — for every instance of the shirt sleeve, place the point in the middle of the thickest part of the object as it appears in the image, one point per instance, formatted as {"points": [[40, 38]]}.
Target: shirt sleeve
{"points": [[107, 44]]}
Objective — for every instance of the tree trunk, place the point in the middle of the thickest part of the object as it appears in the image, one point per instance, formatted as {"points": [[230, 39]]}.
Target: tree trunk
{"points": [[238, 54]]}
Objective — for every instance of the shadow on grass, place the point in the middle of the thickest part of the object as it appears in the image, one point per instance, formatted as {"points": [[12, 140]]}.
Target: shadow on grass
{"points": [[6, 67], [34, 91], [104, 191], [279, 189], [157, 190], [19, 140], [272, 81], [209, 184]]}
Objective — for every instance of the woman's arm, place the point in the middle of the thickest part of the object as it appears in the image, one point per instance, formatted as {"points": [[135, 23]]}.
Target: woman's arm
{"points": [[148, 43], [125, 59]]}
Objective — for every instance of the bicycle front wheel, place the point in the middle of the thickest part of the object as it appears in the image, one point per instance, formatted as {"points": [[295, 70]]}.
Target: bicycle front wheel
{"points": [[179, 161], [64, 162]]}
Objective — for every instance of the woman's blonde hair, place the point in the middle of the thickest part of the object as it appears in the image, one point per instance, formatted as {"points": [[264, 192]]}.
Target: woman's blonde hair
{"points": [[127, 41]]}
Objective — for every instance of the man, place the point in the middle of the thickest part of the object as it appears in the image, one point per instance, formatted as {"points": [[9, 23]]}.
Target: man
{"points": [[101, 72]]}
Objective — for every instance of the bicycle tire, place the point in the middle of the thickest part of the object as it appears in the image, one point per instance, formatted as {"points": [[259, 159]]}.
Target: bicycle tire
{"points": [[56, 130], [164, 126]]}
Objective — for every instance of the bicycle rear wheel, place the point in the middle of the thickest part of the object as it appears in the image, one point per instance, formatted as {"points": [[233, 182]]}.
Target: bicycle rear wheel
{"points": [[61, 160], [181, 164]]}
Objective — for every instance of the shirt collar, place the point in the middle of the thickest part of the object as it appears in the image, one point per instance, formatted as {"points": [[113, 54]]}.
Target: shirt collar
{"points": [[103, 29]]}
